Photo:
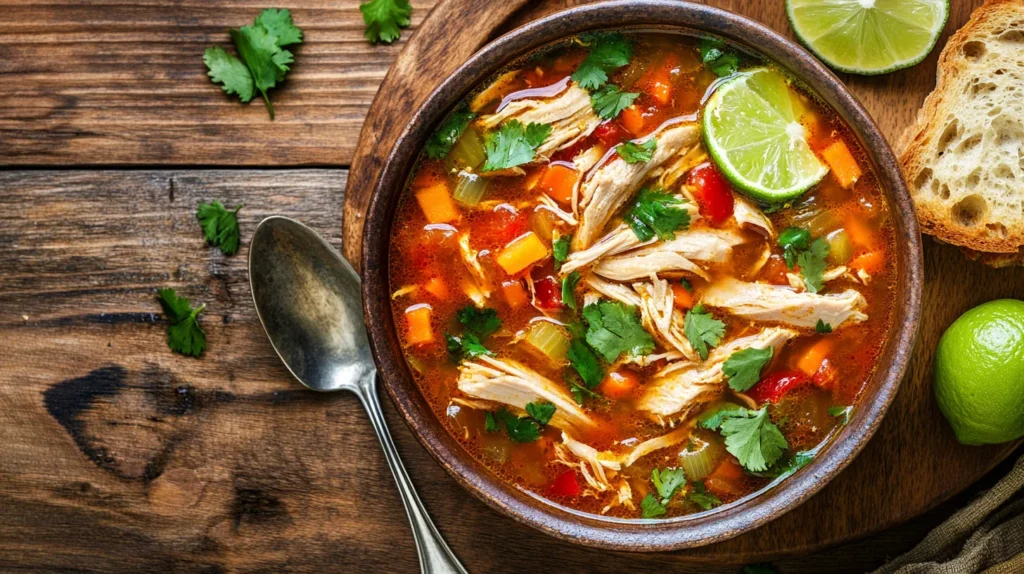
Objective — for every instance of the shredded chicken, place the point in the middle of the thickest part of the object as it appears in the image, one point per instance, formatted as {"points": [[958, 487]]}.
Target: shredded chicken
{"points": [[569, 113], [610, 185], [711, 245], [661, 318], [480, 289], [622, 238], [797, 282], [494, 92], [684, 162], [613, 291], [780, 304], [748, 215], [512, 384], [682, 387]]}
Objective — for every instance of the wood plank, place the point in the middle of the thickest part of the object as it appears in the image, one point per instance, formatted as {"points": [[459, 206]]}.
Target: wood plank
{"points": [[123, 82]]}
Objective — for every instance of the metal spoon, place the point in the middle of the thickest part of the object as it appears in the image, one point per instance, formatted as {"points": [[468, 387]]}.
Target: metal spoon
{"points": [[308, 300]]}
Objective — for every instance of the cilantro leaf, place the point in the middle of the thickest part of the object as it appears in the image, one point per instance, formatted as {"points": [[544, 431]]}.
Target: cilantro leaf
{"points": [[686, 284], [812, 264], [609, 101], [384, 19], [793, 241], [468, 345], [716, 59], [279, 24], [668, 481], [713, 420], [702, 330], [633, 152], [584, 361], [184, 335], [843, 412], [743, 368], [656, 213], [650, 507], [490, 425], [230, 72], [266, 61], [220, 226], [607, 52], [482, 322], [441, 142], [823, 328], [569, 289], [560, 249], [613, 328], [541, 412], [753, 439], [700, 496], [578, 392], [519, 429], [513, 144]]}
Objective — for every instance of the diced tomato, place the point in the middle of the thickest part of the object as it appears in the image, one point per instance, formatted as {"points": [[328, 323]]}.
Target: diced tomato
{"points": [[549, 293], [499, 227], [611, 134], [712, 192], [774, 386], [565, 484]]}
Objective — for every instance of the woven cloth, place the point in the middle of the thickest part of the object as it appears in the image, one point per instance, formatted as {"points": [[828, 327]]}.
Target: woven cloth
{"points": [[985, 537]]}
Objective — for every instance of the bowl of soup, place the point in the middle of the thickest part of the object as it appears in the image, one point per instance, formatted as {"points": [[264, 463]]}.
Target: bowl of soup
{"points": [[599, 312]]}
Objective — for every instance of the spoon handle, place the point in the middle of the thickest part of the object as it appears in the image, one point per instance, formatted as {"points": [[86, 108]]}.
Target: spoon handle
{"points": [[435, 556]]}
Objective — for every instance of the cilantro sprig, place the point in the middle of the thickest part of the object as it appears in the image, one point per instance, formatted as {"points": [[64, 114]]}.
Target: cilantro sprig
{"points": [[702, 330], [716, 59], [441, 142], [184, 335], [483, 322], [479, 323], [822, 328], [586, 364], [522, 429], [569, 289], [632, 152], [700, 496], [656, 213], [743, 368], [220, 226], [609, 101], [385, 19], [608, 52], [560, 250], [667, 482], [613, 329], [798, 249], [751, 437], [513, 144]]}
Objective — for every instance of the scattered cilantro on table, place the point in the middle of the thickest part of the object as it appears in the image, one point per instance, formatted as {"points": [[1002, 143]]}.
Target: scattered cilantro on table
{"points": [[262, 61], [513, 144], [822, 328], [220, 226], [613, 329], [609, 101], [716, 59], [384, 19], [441, 142], [743, 368], [569, 289], [184, 335], [608, 52], [656, 213], [700, 496], [702, 330], [632, 152]]}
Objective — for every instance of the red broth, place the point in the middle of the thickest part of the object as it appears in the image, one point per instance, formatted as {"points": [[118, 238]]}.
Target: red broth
{"points": [[806, 389]]}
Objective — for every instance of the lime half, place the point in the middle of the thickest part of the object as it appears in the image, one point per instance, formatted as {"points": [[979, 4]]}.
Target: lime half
{"points": [[868, 36], [752, 133]]}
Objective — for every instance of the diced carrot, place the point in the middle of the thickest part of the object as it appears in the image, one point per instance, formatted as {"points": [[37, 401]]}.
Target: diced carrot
{"points": [[860, 232], [417, 319], [871, 262], [515, 293], [812, 359], [633, 120], [558, 181], [826, 375], [844, 165], [618, 384], [726, 480], [436, 287], [728, 470], [683, 297], [661, 79], [522, 252], [437, 204]]}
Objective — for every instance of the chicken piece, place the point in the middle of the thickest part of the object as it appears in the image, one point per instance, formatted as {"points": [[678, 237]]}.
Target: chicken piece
{"points": [[680, 166], [619, 240], [797, 282], [514, 385], [498, 89], [569, 112], [631, 267], [682, 387], [675, 255], [748, 215], [611, 185], [654, 444], [613, 291], [480, 289], [661, 318], [763, 302]]}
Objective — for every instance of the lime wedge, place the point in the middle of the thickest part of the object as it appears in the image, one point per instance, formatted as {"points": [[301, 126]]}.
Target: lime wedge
{"points": [[754, 137], [868, 36]]}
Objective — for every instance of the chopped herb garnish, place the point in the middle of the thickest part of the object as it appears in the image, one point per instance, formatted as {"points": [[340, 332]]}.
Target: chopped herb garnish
{"points": [[613, 328], [700, 496], [441, 142], [184, 335], [651, 507], [220, 226], [633, 152], [714, 56], [609, 101], [483, 322], [384, 19], [519, 429], [513, 144], [823, 328], [580, 392], [560, 250], [752, 438], [713, 420], [607, 52], [793, 241], [702, 330], [569, 289], [743, 368], [667, 482], [583, 360], [656, 213], [812, 264], [490, 425], [686, 284], [466, 346], [541, 412], [841, 411]]}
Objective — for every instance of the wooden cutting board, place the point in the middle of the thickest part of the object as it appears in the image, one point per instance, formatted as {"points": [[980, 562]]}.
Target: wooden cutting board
{"points": [[913, 463]]}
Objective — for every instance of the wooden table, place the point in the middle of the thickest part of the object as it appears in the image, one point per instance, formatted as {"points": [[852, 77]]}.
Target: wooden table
{"points": [[117, 455]]}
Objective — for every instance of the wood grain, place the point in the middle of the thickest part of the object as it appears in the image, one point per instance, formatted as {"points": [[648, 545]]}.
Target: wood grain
{"points": [[123, 82]]}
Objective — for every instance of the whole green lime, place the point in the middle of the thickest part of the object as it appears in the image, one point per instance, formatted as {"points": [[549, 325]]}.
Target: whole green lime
{"points": [[979, 373]]}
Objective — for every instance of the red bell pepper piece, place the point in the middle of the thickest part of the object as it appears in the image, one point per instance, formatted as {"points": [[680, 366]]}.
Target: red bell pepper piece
{"points": [[549, 293], [712, 192], [774, 386], [565, 485]]}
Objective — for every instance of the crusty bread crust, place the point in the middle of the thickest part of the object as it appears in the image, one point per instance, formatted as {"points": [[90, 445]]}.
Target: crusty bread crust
{"points": [[982, 219]]}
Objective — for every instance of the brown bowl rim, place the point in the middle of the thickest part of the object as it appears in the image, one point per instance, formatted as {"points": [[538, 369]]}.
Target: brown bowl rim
{"points": [[601, 532]]}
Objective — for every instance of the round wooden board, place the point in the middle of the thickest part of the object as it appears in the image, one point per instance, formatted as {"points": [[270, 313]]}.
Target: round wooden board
{"points": [[913, 463]]}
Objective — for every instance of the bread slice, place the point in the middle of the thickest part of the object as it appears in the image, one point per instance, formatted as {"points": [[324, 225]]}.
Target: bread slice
{"points": [[964, 156]]}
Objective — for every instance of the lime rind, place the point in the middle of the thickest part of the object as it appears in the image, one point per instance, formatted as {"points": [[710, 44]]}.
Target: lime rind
{"points": [[751, 132], [868, 37]]}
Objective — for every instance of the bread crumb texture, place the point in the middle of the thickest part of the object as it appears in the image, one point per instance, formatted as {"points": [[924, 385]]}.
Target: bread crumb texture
{"points": [[964, 156]]}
